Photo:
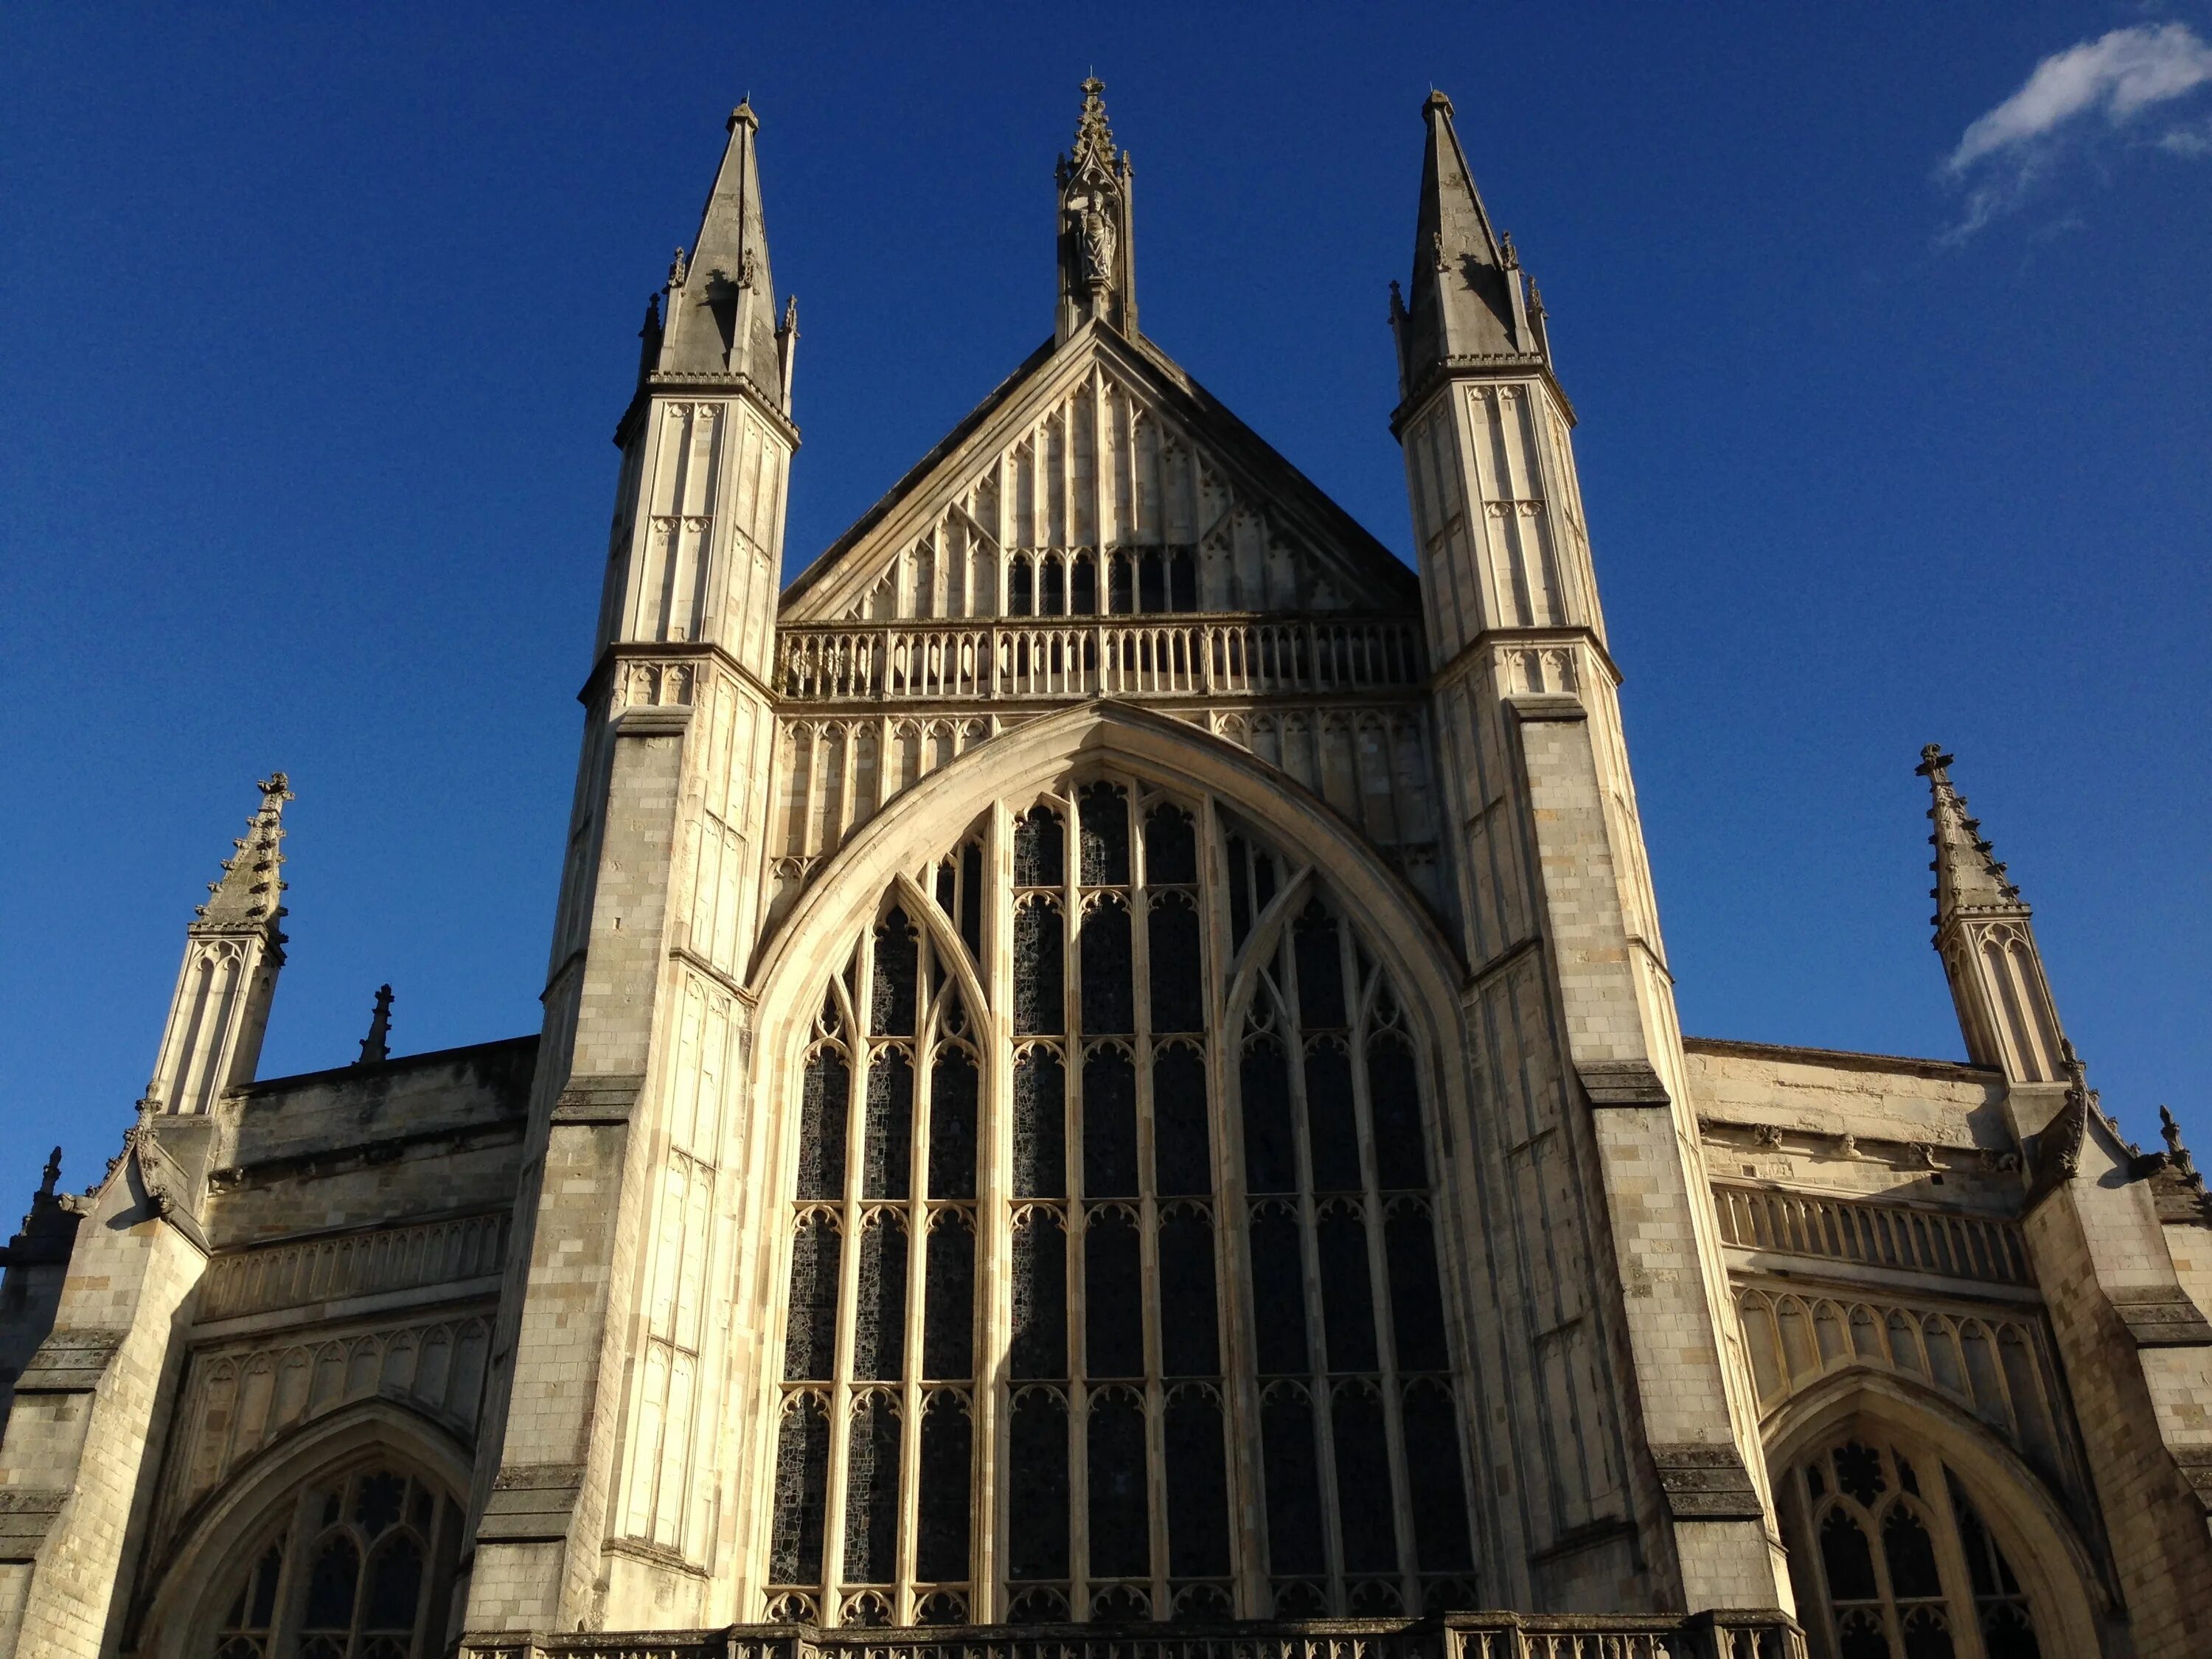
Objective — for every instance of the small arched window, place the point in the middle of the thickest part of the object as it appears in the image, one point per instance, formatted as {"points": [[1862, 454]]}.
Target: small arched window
{"points": [[1890, 1560], [358, 1565]]}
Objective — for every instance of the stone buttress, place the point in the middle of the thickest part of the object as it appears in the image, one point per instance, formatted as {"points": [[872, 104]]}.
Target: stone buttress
{"points": [[1639, 1473], [600, 1503]]}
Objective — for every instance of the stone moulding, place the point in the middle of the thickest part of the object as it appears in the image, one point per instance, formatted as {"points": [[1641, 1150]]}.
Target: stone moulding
{"points": [[1706, 1483], [2156, 1317], [1727, 1633], [1623, 1082], [530, 1502], [70, 1362]]}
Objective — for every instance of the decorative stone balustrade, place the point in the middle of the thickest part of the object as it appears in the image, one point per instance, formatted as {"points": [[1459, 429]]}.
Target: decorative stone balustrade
{"points": [[1075, 656], [1758, 1634], [289, 1275], [1873, 1234]]}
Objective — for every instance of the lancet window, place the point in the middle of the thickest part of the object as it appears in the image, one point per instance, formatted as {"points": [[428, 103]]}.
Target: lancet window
{"points": [[1892, 1560], [360, 1565], [1113, 1217]]}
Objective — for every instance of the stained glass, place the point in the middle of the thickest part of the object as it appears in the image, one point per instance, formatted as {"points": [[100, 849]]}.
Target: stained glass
{"points": [[1121, 1530]]}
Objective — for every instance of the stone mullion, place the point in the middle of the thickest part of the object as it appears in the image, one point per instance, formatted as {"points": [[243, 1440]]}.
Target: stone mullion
{"points": [[1076, 1209], [1320, 1375], [917, 1279], [1231, 1251], [1952, 1570], [1379, 1269], [1148, 1208], [991, 1307], [841, 1390]]}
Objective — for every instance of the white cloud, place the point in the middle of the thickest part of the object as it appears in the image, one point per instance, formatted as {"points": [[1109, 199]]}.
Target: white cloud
{"points": [[2118, 75]]}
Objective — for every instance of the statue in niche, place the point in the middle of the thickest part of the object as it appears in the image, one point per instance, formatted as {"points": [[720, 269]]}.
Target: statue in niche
{"points": [[1094, 230]]}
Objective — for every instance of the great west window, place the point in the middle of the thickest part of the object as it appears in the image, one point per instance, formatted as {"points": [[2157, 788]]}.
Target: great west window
{"points": [[1113, 1282]]}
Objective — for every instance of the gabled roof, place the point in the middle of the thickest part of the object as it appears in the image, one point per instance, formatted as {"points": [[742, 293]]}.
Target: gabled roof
{"points": [[1023, 473]]}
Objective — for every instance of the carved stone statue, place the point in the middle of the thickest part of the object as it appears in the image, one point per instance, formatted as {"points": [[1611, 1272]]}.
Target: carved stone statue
{"points": [[1095, 228]]}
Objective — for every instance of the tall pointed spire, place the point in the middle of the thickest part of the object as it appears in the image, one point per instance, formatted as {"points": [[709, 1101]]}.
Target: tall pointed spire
{"points": [[721, 299], [1987, 943], [1097, 253], [1465, 306], [1968, 874], [233, 949]]}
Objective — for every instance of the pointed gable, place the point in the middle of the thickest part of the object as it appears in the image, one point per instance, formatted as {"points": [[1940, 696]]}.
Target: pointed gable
{"points": [[1100, 477]]}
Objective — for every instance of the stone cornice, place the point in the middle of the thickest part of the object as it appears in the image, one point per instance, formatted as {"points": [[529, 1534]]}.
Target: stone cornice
{"points": [[1500, 365], [657, 385], [1467, 656], [711, 651]]}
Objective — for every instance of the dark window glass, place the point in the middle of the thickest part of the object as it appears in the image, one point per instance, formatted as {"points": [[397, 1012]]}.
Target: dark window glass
{"points": [[952, 1125], [395, 1589], [1113, 1300], [1040, 970], [1286, 1435], [1040, 1299], [1858, 1472], [1189, 1338], [1036, 1534], [1395, 1095], [811, 1347], [1439, 1489], [1086, 588], [1910, 1553], [1847, 1560], [1040, 1126], [1279, 1296], [971, 899], [1151, 581], [1038, 858], [1105, 816], [872, 1475], [331, 1585], [1347, 1298], [1270, 1165], [1240, 889], [1109, 1125], [887, 1153], [1053, 589], [1178, 1001], [1117, 585], [1321, 970], [1198, 1485], [1182, 1162], [1020, 585], [1170, 846], [1417, 1308], [802, 1478], [948, 1312], [1332, 1125], [1363, 1482], [891, 1006], [947, 1458], [1183, 580], [1121, 1530], [823, 1102], [879, 1323], [1107, 1005]]}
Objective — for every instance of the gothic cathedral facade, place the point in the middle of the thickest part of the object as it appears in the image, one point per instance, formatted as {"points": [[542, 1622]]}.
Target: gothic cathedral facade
{"points": [[1109, 1077]]}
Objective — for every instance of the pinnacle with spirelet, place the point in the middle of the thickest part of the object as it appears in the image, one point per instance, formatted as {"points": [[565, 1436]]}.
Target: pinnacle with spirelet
{"points": [[1968, 876], [251, 891]]}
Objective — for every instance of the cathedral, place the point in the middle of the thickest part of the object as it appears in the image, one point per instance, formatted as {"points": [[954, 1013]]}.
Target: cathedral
{"points": [[1110, 1089]]}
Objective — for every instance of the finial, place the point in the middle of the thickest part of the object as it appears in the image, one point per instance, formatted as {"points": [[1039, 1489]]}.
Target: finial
{"points": [[54, 1169], [1435, 101], [376, 1047], [1093, 153], [790, 324], [742, 116]]}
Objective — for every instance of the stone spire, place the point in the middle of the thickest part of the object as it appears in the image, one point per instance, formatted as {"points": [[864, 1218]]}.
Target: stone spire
{"points": [[250, 892], [1968, 874], [1983, 934], [233, 949], [376, 1047], [1466, 306], [721, 298], [1097, 253]]}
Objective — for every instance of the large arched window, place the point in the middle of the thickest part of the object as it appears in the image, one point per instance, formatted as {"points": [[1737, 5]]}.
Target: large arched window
{"points": [[1890, 1560], [1112, 1220], [360, 1565]]}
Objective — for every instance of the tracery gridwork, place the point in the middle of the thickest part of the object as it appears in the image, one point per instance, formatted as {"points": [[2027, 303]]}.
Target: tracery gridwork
{"points": [[360, 1566], [1141, 1166], [1892, 1560]]}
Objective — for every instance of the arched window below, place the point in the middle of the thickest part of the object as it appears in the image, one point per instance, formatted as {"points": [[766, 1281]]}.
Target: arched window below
{"points": [[357, 1565], [1890, 1560]]}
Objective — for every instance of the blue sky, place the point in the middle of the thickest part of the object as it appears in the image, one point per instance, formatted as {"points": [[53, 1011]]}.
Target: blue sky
{"points": [[1886, 325]]}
